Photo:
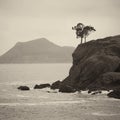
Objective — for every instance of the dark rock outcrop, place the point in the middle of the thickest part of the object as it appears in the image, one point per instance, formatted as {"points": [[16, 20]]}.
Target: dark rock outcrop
{"points": [[96, 92], [92, 63], [56, 85], [109, 81], [67, 89], [23, 88], [114, 94], [41, 86]]}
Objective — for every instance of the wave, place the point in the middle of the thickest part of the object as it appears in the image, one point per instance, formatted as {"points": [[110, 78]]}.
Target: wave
{"points": [[42, 103], [103, 114]]}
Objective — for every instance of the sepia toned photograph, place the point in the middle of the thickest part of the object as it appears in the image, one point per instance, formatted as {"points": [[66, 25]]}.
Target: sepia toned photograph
{"points": [[59, 60]]}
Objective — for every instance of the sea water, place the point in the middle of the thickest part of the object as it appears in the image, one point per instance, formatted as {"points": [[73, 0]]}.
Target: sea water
{"points": [[45, 104], [15, 75]]}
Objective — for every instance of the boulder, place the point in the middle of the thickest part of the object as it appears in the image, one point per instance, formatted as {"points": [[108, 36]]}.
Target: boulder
{"points": [[89, 91], [66, 89], [41, 86], [91, 60], [114, 94], [23, 88], [109, 81], [56, 85]]}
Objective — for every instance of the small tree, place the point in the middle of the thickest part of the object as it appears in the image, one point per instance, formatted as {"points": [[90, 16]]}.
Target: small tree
{"points": [[83, 31]]}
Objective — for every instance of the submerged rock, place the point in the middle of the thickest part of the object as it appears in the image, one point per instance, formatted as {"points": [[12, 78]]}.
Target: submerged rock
{"points": [[41, 86], [56, 85], [92, 60], [96, 92], [23, 88], [114, 94]]}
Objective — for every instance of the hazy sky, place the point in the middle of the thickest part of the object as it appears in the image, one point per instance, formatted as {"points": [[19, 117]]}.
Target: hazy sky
{"points": [[24, 20]]}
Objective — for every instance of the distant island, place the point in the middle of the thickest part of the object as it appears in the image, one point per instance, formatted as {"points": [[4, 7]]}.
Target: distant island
{"points": [[38, 51]]}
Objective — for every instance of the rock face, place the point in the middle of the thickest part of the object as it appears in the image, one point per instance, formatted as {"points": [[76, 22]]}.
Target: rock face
{"points": [[56, 85], [109, 80], [41, 86], [114, 94], [23, 88], [96, 65], [67, 89]]}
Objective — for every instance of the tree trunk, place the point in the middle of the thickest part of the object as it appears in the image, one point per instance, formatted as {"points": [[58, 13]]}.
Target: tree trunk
{"points": [[85, 39], [81, 40]]}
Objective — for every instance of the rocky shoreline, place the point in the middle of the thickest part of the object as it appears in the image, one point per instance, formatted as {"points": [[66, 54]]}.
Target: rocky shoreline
{"points": [[96, 67]]}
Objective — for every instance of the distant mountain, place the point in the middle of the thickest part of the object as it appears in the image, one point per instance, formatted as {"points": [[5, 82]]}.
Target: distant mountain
{"points": [[37, 51]]}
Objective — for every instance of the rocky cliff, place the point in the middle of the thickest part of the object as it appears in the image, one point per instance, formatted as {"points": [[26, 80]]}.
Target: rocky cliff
{"points": [[96, 65]]}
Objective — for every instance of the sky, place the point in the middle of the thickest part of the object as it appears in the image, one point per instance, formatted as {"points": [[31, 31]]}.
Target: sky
{"points": [[24, 20]]}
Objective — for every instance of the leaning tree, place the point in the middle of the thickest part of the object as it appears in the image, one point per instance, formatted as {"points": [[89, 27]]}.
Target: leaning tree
{"points": [[83, 31]]}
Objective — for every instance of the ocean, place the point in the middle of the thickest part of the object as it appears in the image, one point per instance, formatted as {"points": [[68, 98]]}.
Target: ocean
{"points": [[46, 104], [19, 74]]}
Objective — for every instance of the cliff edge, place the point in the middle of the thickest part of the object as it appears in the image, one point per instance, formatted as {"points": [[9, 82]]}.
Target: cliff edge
{"points": [[96, 65]]}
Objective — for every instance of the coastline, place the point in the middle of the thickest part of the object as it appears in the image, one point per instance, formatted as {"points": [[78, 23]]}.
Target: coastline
{"points": [[85, 107]]}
